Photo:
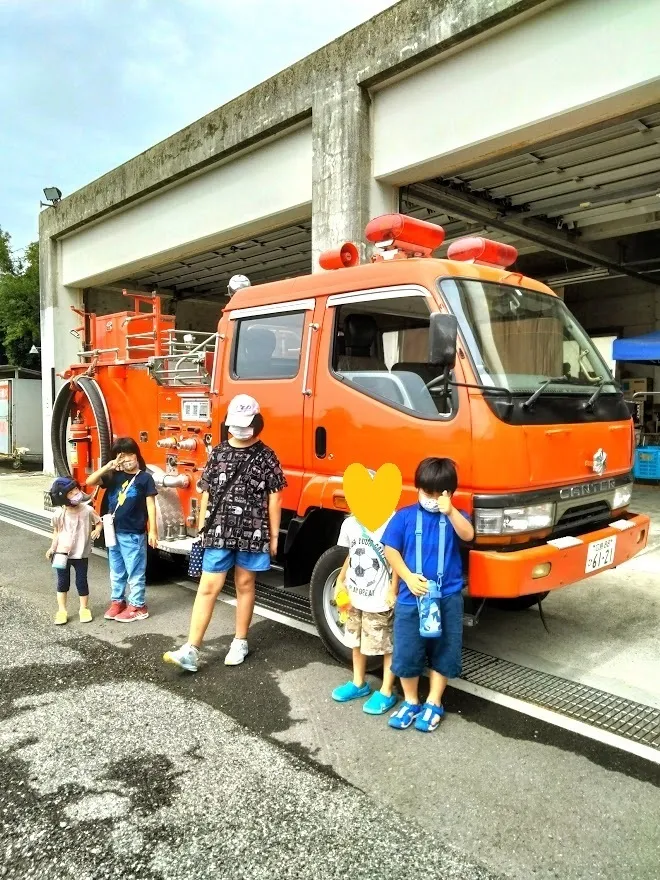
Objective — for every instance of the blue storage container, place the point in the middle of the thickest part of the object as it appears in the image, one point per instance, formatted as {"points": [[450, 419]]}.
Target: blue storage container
{"points": [[647, 463]]}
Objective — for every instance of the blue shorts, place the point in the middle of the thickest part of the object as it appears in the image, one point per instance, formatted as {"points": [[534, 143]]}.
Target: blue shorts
{"points": [[414, 653], [218, 560]]}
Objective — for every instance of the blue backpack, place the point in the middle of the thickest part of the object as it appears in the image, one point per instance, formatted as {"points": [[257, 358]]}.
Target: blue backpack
{"points": [[428, 605]]}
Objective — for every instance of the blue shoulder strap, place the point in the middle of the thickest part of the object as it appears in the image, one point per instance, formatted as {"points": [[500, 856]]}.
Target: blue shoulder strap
{"points": [[442, 525], [418, 542]]}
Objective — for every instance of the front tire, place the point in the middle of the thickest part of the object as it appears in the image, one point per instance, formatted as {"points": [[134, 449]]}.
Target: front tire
{"points": [[324, 611]]}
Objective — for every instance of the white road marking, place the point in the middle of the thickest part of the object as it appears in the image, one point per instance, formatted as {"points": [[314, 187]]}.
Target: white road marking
{"points": [[547, 715]]}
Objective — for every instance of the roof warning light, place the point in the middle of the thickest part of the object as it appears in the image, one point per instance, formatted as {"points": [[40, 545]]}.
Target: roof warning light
{"points": [[397, 237], [482, 251]]}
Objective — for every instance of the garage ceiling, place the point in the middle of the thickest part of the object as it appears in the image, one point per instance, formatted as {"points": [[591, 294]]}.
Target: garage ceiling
{"points": [[279, 254], [578, 197], [592, 199]]}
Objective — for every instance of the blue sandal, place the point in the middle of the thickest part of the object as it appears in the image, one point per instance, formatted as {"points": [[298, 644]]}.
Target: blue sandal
{"points": [[350, 691], [379, 704], [429, 718], [404, 715]]}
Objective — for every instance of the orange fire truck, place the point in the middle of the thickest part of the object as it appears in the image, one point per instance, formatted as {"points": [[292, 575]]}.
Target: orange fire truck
{"points": [[390, 361]]}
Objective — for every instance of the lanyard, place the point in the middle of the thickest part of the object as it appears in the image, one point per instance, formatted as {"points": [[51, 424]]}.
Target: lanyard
{"points": [[442, 524]]}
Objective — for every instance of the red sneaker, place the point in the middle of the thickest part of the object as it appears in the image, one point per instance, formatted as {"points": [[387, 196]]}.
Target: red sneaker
{"points": [[131, 613], [114, 609]]}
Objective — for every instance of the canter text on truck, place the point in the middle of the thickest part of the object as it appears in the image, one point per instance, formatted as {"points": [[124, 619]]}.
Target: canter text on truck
{"points": [[389, 361]]}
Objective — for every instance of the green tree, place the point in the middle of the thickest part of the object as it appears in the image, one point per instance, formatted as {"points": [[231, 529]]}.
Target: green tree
{"points": [[19, 304]]}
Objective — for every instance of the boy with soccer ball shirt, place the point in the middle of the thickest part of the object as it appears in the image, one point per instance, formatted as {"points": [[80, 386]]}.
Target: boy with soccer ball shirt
{"points": [[436, 481], [372, 587]]}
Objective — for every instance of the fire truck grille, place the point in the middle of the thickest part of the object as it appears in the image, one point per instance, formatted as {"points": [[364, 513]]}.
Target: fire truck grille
{"points": [[581, 518]]}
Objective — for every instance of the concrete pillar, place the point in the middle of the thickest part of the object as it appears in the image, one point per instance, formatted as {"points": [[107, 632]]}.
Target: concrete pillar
{"points": [[345, 195], [59, 349]]}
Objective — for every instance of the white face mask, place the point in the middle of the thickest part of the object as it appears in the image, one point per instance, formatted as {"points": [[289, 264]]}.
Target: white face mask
{"points": [[430, 504], [78, 498], [240, 433]]}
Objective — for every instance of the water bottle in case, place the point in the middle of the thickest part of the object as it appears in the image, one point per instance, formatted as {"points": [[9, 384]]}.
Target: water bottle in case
{"points": [[109, 530], [60, 560]]}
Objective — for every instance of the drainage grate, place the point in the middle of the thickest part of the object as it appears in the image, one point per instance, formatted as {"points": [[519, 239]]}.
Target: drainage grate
{"points": [[278, 600], [617, 715], [27, 517]]}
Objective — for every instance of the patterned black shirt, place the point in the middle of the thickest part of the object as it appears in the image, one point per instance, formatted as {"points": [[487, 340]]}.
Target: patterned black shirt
{"points": [[241, 522]]}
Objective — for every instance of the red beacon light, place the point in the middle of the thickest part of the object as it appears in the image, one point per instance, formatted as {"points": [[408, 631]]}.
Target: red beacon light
{"points": [[482, 251], [340, 258], [398, 237]]}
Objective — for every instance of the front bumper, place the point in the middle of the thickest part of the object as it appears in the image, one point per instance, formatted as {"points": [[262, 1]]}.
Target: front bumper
{"points": [[504, 575]]}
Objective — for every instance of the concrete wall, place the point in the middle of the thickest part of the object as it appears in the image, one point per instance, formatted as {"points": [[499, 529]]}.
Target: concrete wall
{"points": [[624, 306], [571, 66], [261, 190]]}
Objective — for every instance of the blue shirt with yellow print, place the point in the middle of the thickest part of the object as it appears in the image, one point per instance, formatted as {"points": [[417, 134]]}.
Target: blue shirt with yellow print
{"points": [[131, 514]]}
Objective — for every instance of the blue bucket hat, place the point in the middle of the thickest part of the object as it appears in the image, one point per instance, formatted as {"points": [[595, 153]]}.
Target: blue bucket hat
{"points": [[60, 489]]}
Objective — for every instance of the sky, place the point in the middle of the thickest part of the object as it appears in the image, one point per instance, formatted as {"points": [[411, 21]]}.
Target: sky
{"points": [[87, 84]]}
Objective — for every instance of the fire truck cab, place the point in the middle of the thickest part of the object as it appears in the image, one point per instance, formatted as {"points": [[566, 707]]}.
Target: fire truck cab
{"points": [[390, 361]]}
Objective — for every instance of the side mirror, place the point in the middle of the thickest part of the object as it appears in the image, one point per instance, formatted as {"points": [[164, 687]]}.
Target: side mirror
{"points": [[443, 333]]}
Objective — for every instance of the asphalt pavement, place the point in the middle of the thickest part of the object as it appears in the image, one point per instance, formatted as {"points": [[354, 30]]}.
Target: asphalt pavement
{"points": [[115, 765]]}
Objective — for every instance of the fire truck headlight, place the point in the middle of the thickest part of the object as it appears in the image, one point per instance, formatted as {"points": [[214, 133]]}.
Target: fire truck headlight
{"points": [[513, 520], [488, 522], [622, 496]]}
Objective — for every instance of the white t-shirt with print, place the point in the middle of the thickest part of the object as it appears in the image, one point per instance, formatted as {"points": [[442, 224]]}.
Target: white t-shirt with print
{"points": [[367, 578]]}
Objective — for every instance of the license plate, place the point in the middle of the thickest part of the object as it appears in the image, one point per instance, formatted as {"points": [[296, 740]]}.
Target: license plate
{"points": [[600, 554]]}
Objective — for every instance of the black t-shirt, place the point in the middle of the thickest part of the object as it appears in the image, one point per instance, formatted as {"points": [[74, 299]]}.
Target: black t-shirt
{"points": [[241, 522], [131, 514]]}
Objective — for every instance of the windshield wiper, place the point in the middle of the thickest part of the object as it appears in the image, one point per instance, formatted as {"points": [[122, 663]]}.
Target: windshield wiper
{"points": [[529, 403], [589, 405]]}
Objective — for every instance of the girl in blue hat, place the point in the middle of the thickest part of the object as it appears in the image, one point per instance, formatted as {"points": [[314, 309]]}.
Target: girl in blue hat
{"points": [[75, 526]]}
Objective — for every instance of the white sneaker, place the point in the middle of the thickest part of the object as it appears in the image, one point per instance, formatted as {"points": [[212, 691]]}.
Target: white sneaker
{"points": [[185, 657], [238, 651]]}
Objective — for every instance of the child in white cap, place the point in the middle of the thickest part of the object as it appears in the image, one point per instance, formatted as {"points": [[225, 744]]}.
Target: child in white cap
{"points": [[239, 513]]}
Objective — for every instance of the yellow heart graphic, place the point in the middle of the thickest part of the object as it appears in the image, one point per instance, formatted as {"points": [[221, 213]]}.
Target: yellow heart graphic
{"points": [[372, 500]]}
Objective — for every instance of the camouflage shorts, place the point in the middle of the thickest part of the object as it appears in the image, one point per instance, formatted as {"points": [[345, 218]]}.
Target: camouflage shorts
{"points": [[370, 631]]}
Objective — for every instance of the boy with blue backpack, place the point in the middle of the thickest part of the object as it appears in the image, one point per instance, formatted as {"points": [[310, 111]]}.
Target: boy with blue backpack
{"points": [[422, 544]]}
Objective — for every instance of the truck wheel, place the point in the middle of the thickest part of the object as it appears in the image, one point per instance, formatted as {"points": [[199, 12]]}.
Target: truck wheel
{"points": [[324, 611], [520, 603]]}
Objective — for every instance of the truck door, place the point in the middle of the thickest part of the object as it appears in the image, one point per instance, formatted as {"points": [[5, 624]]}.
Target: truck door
{"points": [[371, 400], [266, 357]]}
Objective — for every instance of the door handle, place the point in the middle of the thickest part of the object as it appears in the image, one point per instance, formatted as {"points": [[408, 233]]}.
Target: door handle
{"points": [[310, 330], [320, 442]]}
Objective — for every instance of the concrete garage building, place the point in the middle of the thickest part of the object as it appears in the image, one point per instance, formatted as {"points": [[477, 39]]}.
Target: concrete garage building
{"points": [[537, 123]]}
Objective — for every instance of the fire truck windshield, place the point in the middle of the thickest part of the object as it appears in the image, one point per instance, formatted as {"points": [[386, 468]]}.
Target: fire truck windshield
{"points": [[524, 340]]}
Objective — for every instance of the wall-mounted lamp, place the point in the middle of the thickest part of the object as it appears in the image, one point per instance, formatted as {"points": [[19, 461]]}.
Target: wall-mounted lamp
{"points": [[53, 197]]}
